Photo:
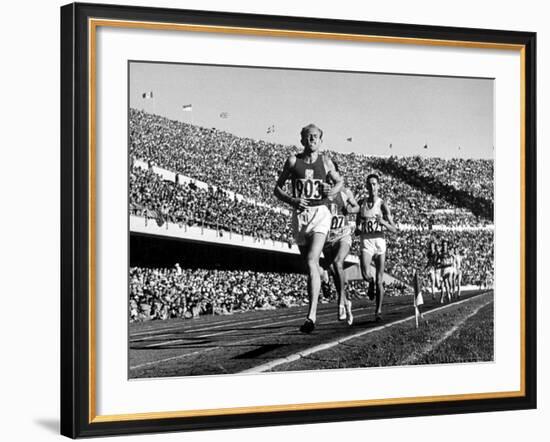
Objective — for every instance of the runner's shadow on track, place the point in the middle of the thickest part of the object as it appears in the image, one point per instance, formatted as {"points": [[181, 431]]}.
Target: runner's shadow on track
{"points": [[226, 345], [364, 324], [254, 354], [268, 327], [196, 344]]}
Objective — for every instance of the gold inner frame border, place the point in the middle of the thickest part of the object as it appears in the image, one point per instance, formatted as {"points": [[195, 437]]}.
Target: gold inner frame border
{"points": [[93, 24]]}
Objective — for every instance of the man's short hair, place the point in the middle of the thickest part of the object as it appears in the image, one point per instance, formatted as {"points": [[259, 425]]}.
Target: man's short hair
{"points": [[373, 175], [310, 126]]}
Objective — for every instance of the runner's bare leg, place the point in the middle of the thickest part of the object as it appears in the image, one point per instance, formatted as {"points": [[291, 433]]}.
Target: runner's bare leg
{"points": [[366, 271], [312, 255], [339, 274], [379, 262]]}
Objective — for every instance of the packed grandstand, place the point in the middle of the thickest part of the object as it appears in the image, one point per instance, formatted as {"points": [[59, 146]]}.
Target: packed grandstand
{"points": [[229, 188]]}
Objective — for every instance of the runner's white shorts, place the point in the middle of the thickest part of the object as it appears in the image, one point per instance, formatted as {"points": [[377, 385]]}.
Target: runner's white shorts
{"points": [[435, 275], [311, 220], [373, 246], [419, 299], [331, 242], [448, 271]]}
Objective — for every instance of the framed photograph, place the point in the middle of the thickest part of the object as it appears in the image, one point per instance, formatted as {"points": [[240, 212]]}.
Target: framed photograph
{"points": [[273, 220]]}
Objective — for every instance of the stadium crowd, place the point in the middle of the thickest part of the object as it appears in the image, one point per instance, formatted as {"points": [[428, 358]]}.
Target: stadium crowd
{"points": [[250, 167], [185, 203], [475, 194], [407, 252], [422, 192], [242, 165], [164, 293], [472, 175], [410, 205]]}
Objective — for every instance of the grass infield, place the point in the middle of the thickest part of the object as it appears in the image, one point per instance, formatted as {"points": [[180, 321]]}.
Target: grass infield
{"points": [[458, 333]]}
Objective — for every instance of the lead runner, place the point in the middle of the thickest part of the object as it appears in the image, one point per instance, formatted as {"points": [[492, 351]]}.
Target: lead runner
{"points": [[311, 218]]}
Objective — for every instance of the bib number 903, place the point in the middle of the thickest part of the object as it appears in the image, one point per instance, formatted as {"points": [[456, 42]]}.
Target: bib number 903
{"points": [[308, 188]]}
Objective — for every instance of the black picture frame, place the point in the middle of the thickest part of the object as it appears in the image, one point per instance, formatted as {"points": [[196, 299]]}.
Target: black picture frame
{"points": [[77, 250]]}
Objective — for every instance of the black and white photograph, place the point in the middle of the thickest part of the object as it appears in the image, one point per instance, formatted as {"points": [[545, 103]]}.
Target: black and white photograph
{"points": [[275, 221], [290, 219]]}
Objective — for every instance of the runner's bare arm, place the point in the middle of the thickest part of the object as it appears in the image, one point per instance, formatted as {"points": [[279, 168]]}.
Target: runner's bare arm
{"points": [[351, 205], [334, 175], [358, 218], [387, 219], [280, 193], [428, 264]]}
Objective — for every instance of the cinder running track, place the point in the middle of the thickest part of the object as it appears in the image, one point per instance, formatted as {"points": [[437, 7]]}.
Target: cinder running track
{"points": [[242, 341]]}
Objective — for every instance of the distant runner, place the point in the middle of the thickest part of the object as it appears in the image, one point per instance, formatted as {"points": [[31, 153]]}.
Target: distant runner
{"points": [[446, 265], [431, 266]]}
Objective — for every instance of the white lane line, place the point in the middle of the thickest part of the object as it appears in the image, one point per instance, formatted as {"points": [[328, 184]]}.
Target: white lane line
{"points": [[207, 349], [211, 327], [147, 364], [153, 329], [427, 349], [224, 323], [205, 327], [209, 335], [229, 323], [163, 335], [294, 357], [223, 332]]}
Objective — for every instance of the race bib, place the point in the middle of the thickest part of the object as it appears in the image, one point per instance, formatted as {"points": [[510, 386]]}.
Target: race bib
{"points": [[337, 222], [308, 188], [370, 225]]}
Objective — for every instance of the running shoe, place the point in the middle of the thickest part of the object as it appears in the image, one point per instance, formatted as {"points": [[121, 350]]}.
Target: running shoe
{"points": [[370, 293], [341, 313], [325, 290], [378, 318], [349, 314], [308, 326]]}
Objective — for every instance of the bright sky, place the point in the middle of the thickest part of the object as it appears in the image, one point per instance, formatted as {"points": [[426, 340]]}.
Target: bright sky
{"points": [[453, 116]]}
